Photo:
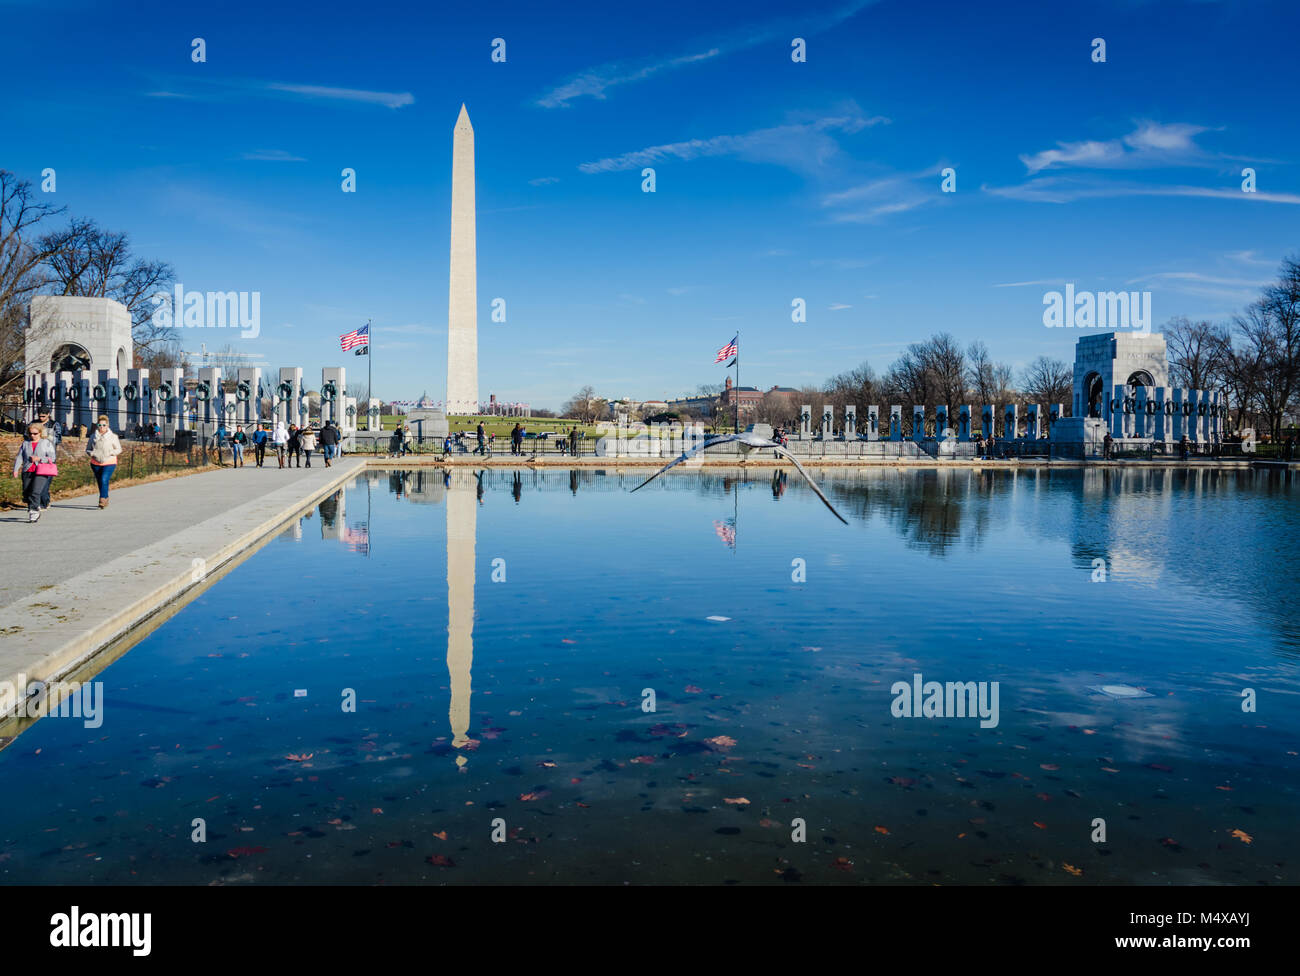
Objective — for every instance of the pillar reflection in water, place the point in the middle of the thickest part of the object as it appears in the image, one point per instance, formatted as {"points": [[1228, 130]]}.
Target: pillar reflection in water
{"points": [[462, 527]]}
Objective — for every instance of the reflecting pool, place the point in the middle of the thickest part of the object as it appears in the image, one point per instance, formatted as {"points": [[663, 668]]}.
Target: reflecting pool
{"points": [[535, 676]]}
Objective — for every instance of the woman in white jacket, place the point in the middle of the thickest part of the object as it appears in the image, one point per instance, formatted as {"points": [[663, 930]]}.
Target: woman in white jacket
{"points": [[103, 448], [280, 438]]}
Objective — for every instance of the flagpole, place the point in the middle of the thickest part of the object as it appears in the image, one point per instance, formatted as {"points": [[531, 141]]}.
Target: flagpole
{"points": [[737, 365], [370, 379]]}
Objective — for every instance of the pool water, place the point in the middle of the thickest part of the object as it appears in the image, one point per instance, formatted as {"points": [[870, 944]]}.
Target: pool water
{"points": [[501, 635]]}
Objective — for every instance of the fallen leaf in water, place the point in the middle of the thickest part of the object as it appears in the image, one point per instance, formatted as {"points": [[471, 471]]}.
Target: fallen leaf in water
{"points": [[739, 800], [1109, 769], [768, 822], [642, 759], [1040, 826], [1160, 766], [693, 690], [1226, 789], [882, 830], [902, 781], [1072, 869], [376, 809], [721, 741], [1043, 796], [584, 805], [575, 779], [245, 851], [842, 864], [1050, 767], [534, 795], [566, 640], [441, 861], [1242, 836], [547, 763], [303, 758], [440, 834]]}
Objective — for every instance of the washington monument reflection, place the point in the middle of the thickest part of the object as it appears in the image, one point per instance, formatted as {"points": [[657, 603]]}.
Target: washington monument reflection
{"points": [[462, 529]]}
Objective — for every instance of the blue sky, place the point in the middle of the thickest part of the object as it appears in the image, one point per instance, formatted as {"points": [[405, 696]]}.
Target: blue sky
{"points": [[775, 180]]}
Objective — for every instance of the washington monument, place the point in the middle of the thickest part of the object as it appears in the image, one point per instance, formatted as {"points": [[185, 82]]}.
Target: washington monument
{"points": [[462, 301]]}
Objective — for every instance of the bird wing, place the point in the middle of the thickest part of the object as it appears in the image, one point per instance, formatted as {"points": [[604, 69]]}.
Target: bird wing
{"points": [[686, 455], [811, 484]]}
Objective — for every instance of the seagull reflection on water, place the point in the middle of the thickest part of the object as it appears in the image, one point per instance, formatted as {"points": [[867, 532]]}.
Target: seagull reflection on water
{"points": [[748, 441]]}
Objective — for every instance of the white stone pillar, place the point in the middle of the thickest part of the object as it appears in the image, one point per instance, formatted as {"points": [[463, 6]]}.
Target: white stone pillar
{"points": [[248, 381], [1010, 423], [1160, 430], [1031, 421], [963, 423], [1178, 417], [873, 422], [850, 422], [288, 409], [805, 422], [987, 413], [828, 421], [333, 387], [940, 421], [1140, 426], [918, 423]]}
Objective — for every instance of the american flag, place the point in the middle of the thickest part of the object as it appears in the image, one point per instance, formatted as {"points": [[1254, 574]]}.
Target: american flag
{"points": [[361, 337], [726, 532], [729, 350]]}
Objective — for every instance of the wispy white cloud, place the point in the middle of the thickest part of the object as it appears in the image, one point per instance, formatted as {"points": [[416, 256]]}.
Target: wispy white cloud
{"points": [[1062, 190], [869, 202], [1024, 284], [1150, 144], [272, 156], [801, 146], [387, 99], [837, 307], [543, 180], [595, 82]]}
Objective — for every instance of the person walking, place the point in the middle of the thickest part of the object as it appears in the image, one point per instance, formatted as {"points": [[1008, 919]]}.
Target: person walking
{"points": [[221, 439], [329, 438], [481, 437], [307, 441], [53, 430], [573, 442], [35, 463], [260, 437], [517, 440], [294, 446], [280, 439], [237, 441], [1106, 444], [103, 447]]}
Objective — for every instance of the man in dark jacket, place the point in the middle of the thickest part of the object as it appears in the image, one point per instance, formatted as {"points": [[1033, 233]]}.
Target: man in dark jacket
{"points": [[329, 440], [482, 440]]}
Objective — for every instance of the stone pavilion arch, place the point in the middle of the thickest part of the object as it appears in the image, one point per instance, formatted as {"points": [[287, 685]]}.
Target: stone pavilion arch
{"points": [[69, 356]]}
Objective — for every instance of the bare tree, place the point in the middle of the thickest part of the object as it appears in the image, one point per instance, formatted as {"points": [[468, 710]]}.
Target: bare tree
{"points": [[85, 259], [1196, 352], [1047, 381], [585, 406], [21, 257], [946, 365]]}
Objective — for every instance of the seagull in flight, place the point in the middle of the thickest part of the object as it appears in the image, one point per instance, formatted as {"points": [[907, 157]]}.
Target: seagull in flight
{"points": [[749, 441]]}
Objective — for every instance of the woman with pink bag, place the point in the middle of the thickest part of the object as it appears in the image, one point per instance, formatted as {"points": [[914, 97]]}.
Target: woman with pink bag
{"points": [[35, 462]]}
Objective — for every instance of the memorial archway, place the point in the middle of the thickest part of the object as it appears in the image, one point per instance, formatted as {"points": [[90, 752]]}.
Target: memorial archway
{"points": [[69, 357], [1093, 390]]}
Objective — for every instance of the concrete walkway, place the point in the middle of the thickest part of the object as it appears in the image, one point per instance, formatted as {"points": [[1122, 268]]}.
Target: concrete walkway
{"points": [[81, 577]]}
